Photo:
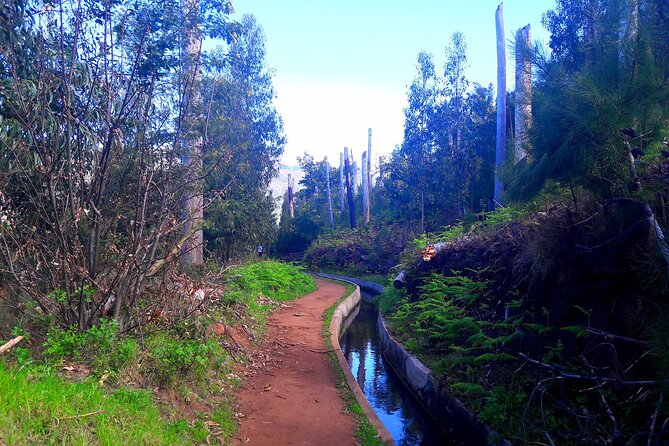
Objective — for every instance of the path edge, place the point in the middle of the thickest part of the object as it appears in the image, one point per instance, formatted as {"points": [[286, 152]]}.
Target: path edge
{"points": [[346, 307]]}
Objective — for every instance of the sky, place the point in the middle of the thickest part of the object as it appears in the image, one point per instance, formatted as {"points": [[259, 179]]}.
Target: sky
{"points": [[344, 66]]}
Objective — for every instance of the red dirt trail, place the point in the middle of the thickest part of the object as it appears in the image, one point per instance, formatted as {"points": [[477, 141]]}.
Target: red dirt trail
{"points": [[289, 395]]}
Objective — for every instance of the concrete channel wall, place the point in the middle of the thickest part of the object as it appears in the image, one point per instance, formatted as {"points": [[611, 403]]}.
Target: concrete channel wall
{"points": [[341, 319], [455, 419]]}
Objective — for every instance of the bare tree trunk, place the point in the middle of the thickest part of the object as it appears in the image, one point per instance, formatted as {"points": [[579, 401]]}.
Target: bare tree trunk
{"points": [[365, 191], [368, 177], [422, 211], [500, 148], [327, 185], [341, 183], [349, 189], [192, 152], [354, 175], [291, 201], [523, 112]]}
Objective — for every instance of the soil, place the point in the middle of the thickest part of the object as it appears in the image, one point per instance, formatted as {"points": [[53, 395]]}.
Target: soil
{"points": [[289, 394]]}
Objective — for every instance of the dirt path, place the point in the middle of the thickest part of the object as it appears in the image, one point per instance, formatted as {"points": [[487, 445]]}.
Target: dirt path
{"points": [[289, 395]]}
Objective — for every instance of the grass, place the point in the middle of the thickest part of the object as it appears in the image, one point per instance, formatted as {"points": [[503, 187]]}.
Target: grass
{"points": [[37, 407], [381, 279], [365, 432], [279, 280]]}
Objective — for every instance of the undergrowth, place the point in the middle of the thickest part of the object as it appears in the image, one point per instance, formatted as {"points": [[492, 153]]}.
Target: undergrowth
{"points": [[88, 387], [548, 340]]}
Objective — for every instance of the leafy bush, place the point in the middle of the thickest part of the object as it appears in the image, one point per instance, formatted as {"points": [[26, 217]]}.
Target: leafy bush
{"points": [[74, 345], [169, 358]]}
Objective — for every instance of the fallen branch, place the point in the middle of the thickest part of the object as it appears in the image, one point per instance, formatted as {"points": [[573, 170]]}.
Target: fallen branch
{"points": [[83, 415], [592, 378], [616, 337], [10, 344]]}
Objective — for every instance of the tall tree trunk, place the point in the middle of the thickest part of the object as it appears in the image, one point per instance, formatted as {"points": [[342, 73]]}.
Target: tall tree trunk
{"points": [[368, 178], [327, 185], [500, 146], [422, 211], [365, 191], [291, 201], [341, 184], [354, 175], [349, 189], [192, 137], [523, 112]]}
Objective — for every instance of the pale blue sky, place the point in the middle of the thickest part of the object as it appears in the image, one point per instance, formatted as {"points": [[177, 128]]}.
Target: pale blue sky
{"points": [[344, 66]]}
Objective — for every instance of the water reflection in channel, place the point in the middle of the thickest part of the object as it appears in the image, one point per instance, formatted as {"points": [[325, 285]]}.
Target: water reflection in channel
{"points": [[399, 411]]}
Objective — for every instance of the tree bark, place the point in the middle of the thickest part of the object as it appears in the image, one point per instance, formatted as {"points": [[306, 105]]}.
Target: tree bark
{"points": [[327, 186], [193, 253], [354, 175], [291, 202], [523, 112], [422, 211], [500, 146], [341, 183], [349, 189], [365, 192], [368, 177]]}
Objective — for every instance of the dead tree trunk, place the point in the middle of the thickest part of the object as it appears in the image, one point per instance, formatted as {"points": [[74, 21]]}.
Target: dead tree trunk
{"points": [[368, 178], [354, 175], [327, 187], [349, 189], [291, 202], [523, 112], [192, 140], [365, 190], [500, 146], [341, 183]]}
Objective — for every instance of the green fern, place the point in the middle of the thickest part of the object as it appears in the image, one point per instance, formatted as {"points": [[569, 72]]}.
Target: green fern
{"points": [[467, 387], [577, 330]]}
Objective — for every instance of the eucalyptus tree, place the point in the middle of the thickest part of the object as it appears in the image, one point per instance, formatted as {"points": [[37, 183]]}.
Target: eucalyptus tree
{"points": [[243, 142], [500, 148], [417, 147]]}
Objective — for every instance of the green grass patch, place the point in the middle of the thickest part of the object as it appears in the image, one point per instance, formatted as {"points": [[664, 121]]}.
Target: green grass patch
{"points": [[365, 432], [37, 407], [381, 279], [278, 280]]}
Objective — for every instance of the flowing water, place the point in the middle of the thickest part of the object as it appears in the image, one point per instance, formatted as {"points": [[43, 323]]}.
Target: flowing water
{"points": [[400, 412]]}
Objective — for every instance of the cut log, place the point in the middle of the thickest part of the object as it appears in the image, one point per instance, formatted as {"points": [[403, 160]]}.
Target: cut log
{"points": [[10, 344], [400, 281]]}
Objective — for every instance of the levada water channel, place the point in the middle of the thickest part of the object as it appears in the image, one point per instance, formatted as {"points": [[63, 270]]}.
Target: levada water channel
{"points": [[396, 407]]}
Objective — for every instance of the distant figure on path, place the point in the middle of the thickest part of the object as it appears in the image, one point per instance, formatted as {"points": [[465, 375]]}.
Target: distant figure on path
{"points": [[259, 250]]}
